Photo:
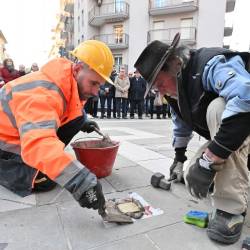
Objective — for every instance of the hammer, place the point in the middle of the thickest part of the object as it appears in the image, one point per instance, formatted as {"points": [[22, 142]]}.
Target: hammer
{"points": [[158, 181]]}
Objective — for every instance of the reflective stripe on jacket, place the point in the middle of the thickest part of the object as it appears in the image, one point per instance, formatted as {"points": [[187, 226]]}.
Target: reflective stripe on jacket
{"points": [[32, 108]]}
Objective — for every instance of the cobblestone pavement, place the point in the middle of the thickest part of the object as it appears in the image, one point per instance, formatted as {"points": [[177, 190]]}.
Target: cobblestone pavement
{"points": [[54, 220]]}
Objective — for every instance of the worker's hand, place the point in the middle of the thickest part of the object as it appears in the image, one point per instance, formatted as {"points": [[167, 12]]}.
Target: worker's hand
{"points": [[86, 189], [93, 198], [176, 172], [200, 176], [89, 126]]}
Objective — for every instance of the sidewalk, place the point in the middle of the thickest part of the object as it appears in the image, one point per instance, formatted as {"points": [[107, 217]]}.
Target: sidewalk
{"points": [[54, 221]]}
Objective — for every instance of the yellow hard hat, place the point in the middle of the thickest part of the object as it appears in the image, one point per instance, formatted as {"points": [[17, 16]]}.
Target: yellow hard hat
{"points": [[97, 56]]}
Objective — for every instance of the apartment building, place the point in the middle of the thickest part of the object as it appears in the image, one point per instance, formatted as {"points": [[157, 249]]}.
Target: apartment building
{"points": [[3, 41], [64, 31], [236, 33], [127, 26]]}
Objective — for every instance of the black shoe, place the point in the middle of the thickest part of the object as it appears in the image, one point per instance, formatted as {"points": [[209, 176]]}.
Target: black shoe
{"points": [[140, 117], [151, 117], [43, 183], [132, 117], [224, 227], [102, 117], [108, 117]]}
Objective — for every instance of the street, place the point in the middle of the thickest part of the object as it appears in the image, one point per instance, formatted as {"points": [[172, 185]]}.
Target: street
{"points": [[54, 220]]}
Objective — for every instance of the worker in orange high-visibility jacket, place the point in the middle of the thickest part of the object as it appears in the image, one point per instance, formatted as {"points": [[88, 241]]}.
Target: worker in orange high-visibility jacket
{"points": [[40, 113]]}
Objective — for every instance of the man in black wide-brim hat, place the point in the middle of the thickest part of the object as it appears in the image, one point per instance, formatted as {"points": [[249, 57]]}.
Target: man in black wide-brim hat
{"points": [[209, 90]]}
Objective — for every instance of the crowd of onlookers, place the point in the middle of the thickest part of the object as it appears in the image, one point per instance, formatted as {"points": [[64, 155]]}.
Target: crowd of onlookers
{"points": [[126, 98], [123, 100], [9, 73]]}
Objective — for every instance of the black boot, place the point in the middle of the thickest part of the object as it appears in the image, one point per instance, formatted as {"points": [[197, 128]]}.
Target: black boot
{"points": [[43, 183], [225, 227]]}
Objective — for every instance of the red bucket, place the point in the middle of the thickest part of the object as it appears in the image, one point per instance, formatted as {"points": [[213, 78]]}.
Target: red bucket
{"points": [[97, 155]]}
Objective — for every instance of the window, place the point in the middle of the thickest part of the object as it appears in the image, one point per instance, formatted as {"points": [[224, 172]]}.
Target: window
{"points": [[119, 6], [78, 23], [186, 31], [118, 60], [158, 27], [118, 33], [159, 3], [82, 18]]}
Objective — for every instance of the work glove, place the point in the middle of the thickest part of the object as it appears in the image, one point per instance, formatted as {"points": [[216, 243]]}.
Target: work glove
{"points": [[86, 189], [89, 126], [200, 176], [176, 172]]}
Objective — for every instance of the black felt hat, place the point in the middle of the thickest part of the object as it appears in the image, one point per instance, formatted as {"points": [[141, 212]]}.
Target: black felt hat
{"points": [[153, 57]]}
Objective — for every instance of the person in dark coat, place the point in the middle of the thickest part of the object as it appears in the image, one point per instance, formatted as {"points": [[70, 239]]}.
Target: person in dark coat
{"points": [[105, 94], [136, 93], [112, 91]]}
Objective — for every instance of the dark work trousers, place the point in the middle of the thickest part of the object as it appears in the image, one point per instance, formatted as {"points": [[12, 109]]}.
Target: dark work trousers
{"points": [[121, 103], [139, 105], [95, 107], [151, 106], [17, 176], [91, 106], [147, 106], [158, 111], [103, 100], [114, 106], [166, 111]]}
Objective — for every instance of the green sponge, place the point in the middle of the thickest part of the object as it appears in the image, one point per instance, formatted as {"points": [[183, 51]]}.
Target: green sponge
{"points": [[197, 218]]}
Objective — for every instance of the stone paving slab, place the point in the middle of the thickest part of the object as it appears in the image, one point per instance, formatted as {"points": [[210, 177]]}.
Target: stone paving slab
{"points": [[85, 230], [54, 196], [188, 237], [129, 178], [32, 228], [130, 243], [121, 162]]}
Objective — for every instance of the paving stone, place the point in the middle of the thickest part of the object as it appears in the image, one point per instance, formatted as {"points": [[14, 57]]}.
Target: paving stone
{"points": [[106, 187], [34, 228], [129, 178], [121, 162], [131, 243], [175, 237], [84, 228], [137, 153], [11, 205], [54, 196], [7, 195]]}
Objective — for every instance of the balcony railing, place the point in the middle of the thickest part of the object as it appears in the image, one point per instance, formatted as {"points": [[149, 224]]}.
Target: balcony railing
{"points": [[114, 41], [162, 7], [188, 35], [109, 12]]}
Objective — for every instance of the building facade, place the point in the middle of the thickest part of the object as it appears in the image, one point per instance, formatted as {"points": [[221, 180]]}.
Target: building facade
{"points": [[3, 41], [127, 26], [64, 31]]}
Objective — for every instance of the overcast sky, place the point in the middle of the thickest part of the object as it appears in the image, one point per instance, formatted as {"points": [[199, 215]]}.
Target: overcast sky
{"points": [[27, 24]]}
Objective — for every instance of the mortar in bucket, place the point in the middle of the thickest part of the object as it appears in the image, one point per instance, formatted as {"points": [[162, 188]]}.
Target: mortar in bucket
{"points": [[97, 155]]}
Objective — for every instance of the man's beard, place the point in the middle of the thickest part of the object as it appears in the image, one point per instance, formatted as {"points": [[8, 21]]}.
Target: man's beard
{"points": [[82, 95]]}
